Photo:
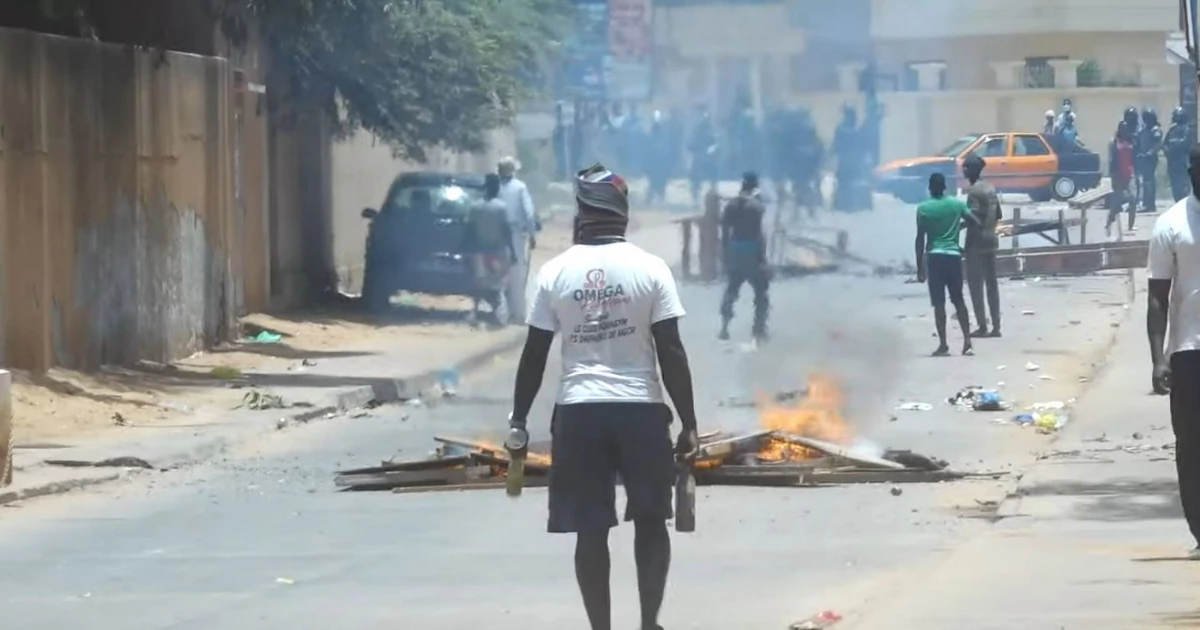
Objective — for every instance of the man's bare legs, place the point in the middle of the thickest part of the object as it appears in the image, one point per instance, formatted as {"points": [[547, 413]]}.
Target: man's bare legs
{"points": [[593, 565], [964, 323], [652, 551], [592, 568]]}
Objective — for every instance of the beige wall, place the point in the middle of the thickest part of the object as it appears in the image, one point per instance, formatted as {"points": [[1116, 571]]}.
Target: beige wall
{"points": [[362, 168], [967, 59], [918, 123], [931, 19], [119, 241]]}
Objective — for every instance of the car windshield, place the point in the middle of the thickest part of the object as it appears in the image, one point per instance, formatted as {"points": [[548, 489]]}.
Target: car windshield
{"points": [[438, 199], [957, 147]]}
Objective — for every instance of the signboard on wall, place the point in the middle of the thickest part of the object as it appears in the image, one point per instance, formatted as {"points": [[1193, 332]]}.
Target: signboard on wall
{"points": [[583, 75], [630, 50]]}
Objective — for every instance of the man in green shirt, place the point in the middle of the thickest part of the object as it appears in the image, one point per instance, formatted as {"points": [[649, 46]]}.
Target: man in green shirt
{"points": [[939, 258]]}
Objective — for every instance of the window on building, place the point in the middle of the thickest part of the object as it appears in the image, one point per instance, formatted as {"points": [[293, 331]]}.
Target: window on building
{"points": [[1039, 73], [993, 147], [1029, 146], [912, 81]]}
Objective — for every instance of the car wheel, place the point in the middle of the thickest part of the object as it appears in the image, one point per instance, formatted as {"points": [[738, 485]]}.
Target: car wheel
{"points": [[1064, 188]]}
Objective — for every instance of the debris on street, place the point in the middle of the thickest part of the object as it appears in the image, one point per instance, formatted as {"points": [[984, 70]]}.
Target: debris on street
{"points": [[819, 621], [914, 406], [802, 443], [977, 398]]}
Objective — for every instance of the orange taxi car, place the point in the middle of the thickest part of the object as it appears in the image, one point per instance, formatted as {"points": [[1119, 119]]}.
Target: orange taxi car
{"points": [[1030, 163]]}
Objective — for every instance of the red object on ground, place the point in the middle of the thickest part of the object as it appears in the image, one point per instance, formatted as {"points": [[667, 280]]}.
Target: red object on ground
{"points": [[819, 621]]}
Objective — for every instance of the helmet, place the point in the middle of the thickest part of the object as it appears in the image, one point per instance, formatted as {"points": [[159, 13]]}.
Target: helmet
{"points": [[1131, 115], [1179, 115], [1049, 113], [1149, 116]]}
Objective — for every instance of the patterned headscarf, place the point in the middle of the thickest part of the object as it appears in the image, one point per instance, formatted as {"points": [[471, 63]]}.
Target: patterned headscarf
{"points": [[599, 188]]}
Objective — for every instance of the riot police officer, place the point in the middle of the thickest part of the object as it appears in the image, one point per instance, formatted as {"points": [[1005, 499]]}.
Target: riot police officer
{"points": [[848, 150], [1176, 146], [1149, 145]]}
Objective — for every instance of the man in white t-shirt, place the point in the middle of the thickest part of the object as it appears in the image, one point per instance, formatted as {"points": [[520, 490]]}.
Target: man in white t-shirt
{"points": [[618, 309], [1174, 307]]}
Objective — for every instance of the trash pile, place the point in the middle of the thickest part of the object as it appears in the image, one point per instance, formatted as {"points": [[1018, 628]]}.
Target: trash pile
{"points": [[760, 458], [1046, 417]]}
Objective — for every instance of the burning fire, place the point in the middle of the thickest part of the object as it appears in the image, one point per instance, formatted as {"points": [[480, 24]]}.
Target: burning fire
{"points": [[817, 415]]}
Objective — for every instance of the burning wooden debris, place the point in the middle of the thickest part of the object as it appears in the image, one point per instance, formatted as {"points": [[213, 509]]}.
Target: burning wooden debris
{"points": [[804, 441]]}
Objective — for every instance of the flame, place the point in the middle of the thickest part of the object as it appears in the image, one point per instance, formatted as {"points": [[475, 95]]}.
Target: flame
{"points": [[818, 415]]}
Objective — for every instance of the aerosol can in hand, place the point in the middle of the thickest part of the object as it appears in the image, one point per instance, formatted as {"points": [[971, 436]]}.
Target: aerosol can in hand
{"points": [[685, 498], [517, 445]]}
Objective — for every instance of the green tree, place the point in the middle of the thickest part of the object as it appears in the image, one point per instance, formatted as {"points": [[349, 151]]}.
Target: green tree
{"points": [[416, 73]]}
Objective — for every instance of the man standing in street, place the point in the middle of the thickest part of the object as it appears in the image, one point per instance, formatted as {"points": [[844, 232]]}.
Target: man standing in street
{"points": [[1149, 146], [745, 250], [1121, 173], [939, 259], [1174, 305], [1175, 147], [618, 310], [981, 246], [524, 224], [489, 244]]}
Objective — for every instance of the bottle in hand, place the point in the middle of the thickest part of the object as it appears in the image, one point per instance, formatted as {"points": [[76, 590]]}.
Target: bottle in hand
{"points": [[517, 445], [685, 500]]}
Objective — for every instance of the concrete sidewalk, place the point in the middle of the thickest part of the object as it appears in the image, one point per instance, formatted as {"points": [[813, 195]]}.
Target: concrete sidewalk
{"points": [[340, 381], [1092, 538]]}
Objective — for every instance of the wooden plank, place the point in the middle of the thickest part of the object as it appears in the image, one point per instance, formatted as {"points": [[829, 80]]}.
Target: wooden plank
{"points": [[419, 464], [530, 482], [1089, 198], [496, 459], [845, 476], [718, 477], [472, 446], [397, 478], [730, 446], [840, 452], [1073, 259]]}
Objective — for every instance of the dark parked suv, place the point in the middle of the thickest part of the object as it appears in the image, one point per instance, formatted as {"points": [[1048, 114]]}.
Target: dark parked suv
{"points": [[415, 240]]}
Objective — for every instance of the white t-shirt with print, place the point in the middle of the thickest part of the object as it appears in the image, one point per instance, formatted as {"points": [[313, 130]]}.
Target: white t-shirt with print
{"points": [[603, 299], [1175, 256]]}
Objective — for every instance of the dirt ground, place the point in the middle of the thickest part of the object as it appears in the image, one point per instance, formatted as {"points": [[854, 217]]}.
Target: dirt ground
{"points": [[62, 404]]}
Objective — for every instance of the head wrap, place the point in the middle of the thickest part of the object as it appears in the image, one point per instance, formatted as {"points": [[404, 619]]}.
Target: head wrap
{"points": [[603, 199], [599, 188]]}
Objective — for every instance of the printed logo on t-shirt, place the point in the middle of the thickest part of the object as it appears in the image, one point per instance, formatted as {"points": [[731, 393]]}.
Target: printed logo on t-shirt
{"points": [[594, 299]]}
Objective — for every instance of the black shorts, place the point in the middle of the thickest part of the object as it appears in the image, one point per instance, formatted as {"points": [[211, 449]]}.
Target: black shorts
{"points": [[944, 275], [593, 443]]}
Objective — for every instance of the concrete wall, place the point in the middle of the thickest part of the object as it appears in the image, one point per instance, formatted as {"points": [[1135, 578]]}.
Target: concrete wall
{"points": [[117, 229], [360, 171], [933, 19], [1121, 55], [917, 123]]}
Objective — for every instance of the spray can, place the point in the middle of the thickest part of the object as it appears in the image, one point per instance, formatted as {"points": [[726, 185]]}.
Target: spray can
{"points": [[685, 499], [517, 445]]}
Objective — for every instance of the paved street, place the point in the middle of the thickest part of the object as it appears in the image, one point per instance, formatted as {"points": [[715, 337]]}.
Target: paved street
{"points": [[260, 538]]}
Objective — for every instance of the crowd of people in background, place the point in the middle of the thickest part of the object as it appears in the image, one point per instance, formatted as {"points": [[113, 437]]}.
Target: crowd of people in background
{"points": [[1134, 155], [784, 144]]}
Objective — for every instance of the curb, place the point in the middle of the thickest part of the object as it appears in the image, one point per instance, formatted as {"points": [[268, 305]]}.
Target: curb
{"points": [[384, 390], [55, 487], [393, 389]]}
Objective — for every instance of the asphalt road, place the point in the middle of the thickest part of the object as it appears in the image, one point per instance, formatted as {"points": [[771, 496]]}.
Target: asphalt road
{"points": [[261, 539]]}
